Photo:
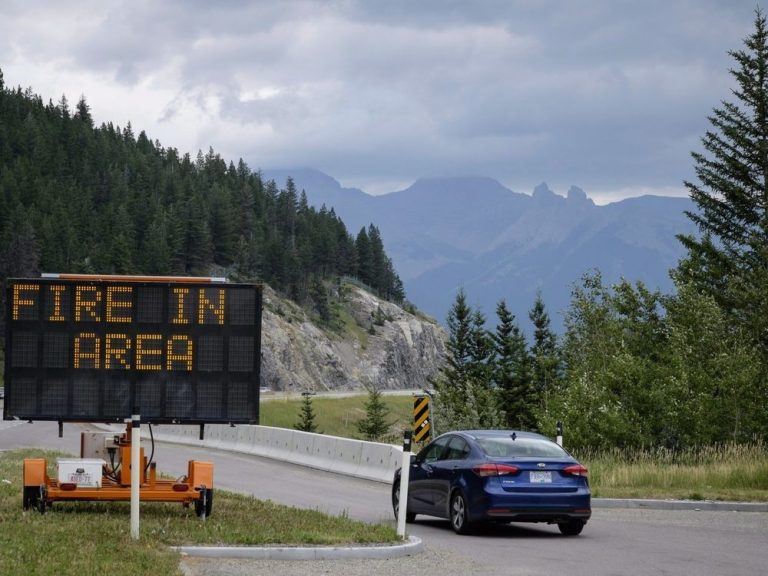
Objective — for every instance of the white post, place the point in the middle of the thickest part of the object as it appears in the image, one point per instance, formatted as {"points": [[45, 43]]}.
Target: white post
{"points": [[405, 472], [135, 473], [559, 434]]}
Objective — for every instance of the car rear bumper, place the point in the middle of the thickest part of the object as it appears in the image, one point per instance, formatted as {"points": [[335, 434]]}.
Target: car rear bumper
{"points": [[537, 515], [523, 507]]}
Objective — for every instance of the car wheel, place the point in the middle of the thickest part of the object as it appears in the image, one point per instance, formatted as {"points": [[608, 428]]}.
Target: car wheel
{"points": [[572, 528], [459, 517], [409, 516]]}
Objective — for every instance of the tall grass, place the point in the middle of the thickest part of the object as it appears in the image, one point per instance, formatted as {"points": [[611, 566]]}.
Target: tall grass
{"points": [[338, 416], [718, 472]]}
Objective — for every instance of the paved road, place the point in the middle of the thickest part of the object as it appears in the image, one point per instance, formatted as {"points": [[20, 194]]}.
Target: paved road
{"points": [[615, 542]]}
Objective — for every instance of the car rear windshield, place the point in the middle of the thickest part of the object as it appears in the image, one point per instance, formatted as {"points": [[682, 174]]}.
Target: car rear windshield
{"points": [[519, 447]]}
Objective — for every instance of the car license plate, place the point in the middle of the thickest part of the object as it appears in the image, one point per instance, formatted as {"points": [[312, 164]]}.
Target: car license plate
{"points": [[541, 477]]}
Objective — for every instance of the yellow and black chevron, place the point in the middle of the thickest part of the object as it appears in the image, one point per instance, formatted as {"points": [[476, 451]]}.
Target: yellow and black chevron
{"points": [[421, 419]]}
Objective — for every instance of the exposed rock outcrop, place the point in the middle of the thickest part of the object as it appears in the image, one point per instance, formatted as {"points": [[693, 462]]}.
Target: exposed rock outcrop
{"points": [[381, 345]]}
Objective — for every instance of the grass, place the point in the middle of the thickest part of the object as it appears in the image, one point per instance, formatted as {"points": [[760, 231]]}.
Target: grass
{"points": [[725, 472], [90, 538], [338, 416]]}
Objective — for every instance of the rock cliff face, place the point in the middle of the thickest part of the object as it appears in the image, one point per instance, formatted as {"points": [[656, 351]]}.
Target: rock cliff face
{"points": [[380, 344]]}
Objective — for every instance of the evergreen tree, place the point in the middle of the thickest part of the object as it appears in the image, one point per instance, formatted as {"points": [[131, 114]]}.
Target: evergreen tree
{"points": [[481, 351], [546, 364], [512, 373], [374, 426], [19, 256], [364, 257], [459, 344], [307, 416], [730, 260], [464, 397], [319, 296]]}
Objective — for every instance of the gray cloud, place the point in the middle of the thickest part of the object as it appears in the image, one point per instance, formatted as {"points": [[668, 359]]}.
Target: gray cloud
{"points": [[611, 95]]}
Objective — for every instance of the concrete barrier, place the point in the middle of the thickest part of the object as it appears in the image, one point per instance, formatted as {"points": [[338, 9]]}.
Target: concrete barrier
{"points": [[346, 457], [369, 460]]}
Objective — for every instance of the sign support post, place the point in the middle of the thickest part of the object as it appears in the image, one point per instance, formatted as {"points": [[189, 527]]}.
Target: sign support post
{"points": [[135, 473], [405, 472]]}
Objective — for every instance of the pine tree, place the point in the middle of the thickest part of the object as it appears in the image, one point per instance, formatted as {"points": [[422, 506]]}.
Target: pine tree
{"points": [[364, 257], [374, 426], [730, 260], [546, 369], [512, 373], [459, 345], [464, 396], [19, 256], [307, 416]]}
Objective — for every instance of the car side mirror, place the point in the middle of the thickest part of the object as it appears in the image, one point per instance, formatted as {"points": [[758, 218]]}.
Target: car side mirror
{"points": [[415, 461]]}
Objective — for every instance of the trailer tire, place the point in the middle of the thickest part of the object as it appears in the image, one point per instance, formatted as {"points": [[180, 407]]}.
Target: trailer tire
{"points": [[204, 504], [42, 499], [30, 497]]}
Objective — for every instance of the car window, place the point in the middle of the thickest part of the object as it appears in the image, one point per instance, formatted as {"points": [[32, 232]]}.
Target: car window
{"points": [[520, 447], [458, 449], [434, 451]]}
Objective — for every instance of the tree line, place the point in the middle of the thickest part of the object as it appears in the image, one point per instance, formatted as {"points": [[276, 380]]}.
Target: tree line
{"points": [[636, 367], [79, 198]]}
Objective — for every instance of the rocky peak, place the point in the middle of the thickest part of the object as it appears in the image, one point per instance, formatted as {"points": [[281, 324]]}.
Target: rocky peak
{"points": [[577, 196], [542, 193]]}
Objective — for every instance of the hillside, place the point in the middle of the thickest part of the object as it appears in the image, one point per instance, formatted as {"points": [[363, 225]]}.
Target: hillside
{"points": [[378, 344]]}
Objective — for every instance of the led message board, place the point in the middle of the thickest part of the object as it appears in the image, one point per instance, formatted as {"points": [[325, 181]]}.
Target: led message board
{"points": [[93, 350]]}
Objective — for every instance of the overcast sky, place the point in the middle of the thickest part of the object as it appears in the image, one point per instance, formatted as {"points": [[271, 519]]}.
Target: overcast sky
{"points": [[611, 95]]}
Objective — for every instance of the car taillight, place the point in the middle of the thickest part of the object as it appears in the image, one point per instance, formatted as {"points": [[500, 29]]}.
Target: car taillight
{"points": [[495, 469], [576, 470]]}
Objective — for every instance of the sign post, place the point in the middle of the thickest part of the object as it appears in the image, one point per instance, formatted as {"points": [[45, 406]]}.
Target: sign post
{"points": [[405, 472], [135, 473]]}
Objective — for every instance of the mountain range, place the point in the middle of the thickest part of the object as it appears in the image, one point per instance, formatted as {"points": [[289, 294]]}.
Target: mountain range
{"points": [[473, 232]]}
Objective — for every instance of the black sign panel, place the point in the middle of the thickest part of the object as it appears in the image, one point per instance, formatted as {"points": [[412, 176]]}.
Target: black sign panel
{"points": [[95, 350]]}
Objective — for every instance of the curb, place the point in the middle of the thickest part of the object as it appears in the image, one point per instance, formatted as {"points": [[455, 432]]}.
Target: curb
{"points": [[697, 505], [413, 546]]}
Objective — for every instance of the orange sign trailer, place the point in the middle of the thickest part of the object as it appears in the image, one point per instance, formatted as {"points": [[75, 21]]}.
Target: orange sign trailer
{"points": [[40, 490], [196, 487]]}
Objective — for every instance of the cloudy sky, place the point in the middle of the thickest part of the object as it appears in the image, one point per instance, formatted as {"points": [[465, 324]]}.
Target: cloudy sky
{"points": [[609, 95]]}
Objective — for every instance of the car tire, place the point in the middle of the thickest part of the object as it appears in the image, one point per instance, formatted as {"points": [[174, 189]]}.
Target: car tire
{"points": [[572, 528], [459, 515], [409, 516]]}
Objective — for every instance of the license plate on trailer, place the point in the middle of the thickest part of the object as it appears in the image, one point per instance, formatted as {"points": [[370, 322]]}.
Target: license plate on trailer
{"points": [[541, 477]]}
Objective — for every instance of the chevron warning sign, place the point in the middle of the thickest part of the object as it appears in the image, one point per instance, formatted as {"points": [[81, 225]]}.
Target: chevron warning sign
{"points": [[421, 419]]}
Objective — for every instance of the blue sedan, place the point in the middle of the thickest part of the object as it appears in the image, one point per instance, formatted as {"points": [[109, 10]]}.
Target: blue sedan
{"points": [[497, 476]]}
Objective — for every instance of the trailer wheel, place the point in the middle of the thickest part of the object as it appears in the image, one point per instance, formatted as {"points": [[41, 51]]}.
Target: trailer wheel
{"points": [[42, 499], [204, 504], [30, 497]]}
